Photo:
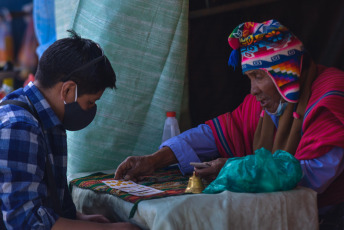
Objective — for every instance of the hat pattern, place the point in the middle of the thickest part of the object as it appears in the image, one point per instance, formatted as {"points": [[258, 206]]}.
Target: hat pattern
{"points": [[286, 77]]}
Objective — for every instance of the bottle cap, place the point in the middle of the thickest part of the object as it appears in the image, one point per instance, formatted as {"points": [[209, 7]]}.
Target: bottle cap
{"points": [[170, 114]]}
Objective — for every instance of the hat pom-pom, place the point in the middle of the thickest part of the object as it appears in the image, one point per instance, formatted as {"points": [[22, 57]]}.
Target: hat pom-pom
{"points": [[234, 58]]}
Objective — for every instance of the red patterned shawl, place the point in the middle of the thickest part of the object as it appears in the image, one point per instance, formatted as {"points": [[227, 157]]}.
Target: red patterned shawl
{"points": [[234, 131], [323, 124]]}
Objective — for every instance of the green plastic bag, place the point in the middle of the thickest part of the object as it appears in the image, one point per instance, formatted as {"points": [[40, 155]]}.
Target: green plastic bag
{"points": [[262, 172]]}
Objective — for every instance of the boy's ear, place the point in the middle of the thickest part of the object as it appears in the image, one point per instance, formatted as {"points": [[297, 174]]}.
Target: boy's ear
{"points": [[68, 91]]}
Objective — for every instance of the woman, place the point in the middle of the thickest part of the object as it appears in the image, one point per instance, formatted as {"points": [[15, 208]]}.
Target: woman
{"points": [[294, 105]]}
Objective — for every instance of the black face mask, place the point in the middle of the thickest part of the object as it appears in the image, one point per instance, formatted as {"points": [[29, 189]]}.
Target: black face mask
{"points": [[75, 118]]}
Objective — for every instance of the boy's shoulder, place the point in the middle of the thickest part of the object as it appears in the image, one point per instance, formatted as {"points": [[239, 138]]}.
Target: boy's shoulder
{"points": [[11, 114]]}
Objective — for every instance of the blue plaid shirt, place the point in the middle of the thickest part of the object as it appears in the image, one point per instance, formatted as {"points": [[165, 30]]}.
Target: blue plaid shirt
{"points": [[23, 191]]}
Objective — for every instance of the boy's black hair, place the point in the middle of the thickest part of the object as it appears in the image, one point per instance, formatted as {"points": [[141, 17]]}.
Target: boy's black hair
{"points": [[78, 59]]}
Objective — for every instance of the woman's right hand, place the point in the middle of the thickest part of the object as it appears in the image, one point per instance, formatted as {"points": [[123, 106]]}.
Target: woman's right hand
{"points": [[134, 167]]}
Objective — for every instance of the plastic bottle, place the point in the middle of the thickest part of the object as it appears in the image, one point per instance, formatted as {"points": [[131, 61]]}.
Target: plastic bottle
{"points": [[171, 127]]}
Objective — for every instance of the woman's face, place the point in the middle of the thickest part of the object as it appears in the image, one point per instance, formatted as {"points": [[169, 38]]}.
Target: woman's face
{"points": [[263, 88]]}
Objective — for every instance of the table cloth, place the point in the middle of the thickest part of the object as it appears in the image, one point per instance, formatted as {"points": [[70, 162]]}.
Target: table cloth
{"points": [[294, 209]]}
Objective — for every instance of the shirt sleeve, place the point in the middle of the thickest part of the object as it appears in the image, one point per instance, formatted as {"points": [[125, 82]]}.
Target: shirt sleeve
{"points": [[194, 145], [320, 172], [23, 192]]}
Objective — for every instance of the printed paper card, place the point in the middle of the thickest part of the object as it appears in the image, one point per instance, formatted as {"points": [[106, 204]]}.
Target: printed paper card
{"points": [[131, 187]]}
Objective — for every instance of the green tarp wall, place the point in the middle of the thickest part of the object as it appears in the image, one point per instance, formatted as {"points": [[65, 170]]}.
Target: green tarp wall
{"points": [[146, 43]]}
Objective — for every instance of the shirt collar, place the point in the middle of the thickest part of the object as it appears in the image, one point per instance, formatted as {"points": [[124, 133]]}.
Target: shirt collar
{"points": [[46, 114]]}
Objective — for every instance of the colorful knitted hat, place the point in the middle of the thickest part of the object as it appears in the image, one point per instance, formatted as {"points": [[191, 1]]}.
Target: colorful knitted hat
{"points": [[271, 47]]}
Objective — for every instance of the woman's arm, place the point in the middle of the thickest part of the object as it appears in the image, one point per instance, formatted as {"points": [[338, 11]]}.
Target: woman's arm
{"points": [[194, 145], [320, 172]]}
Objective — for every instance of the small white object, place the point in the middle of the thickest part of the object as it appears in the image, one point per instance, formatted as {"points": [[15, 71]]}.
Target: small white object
{"points": [[200, 165], [171, 127]]}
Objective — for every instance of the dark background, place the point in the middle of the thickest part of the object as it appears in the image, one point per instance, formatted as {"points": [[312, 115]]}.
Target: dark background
{"points": [[214, 87], [18, 23]]}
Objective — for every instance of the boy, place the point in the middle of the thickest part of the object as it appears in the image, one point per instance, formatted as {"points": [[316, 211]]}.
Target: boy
{"points": [[72, 75]]}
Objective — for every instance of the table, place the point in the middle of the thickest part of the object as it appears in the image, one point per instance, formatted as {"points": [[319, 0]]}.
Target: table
{"points": [[295, 209]]}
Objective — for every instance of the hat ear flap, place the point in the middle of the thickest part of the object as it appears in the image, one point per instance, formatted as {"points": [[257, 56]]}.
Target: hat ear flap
{"points": [[234, 58]]}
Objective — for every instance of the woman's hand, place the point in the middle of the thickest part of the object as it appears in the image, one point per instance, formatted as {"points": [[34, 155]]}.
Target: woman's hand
{"points": [[211, 172], [134, 167]]}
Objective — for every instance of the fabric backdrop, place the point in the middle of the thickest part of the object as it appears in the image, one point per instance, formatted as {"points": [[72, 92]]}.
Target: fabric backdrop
{"points": [[146, 43]]}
